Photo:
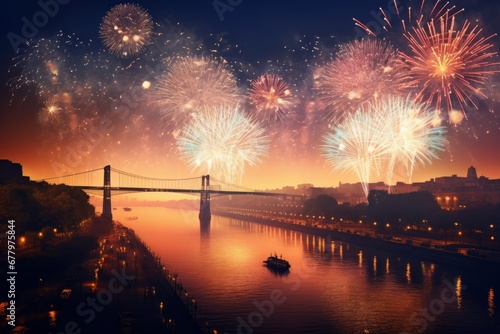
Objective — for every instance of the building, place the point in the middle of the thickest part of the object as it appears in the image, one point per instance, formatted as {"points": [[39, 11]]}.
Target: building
{"points": [[451, 192], [455, 192], [11, 172]]}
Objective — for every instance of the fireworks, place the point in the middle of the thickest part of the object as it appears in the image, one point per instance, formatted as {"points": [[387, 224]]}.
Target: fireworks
{"points": [[126, 30], [271, 97], [192, 84], [449, 64], [50, 112], [363, 71], [223, 141], [377, 137], [415, 136], [358, 144], [425, 14]]}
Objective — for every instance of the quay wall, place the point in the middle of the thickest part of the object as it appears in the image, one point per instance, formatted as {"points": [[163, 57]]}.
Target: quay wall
{"points": [[459, 260]]}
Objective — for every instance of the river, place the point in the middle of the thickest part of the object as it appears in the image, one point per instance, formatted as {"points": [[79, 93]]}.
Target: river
{"points": [[332, 286]]}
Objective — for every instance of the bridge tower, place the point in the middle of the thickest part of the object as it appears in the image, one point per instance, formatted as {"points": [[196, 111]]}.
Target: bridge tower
{"points": [[205, 215], [106, 197]]}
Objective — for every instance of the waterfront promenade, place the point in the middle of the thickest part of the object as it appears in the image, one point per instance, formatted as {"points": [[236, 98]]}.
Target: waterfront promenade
{"points": [[484, 264], [121, 288]]}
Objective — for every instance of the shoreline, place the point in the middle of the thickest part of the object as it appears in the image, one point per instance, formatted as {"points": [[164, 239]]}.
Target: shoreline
{"points": [[120, 286], [457, 260], [173, 291]]}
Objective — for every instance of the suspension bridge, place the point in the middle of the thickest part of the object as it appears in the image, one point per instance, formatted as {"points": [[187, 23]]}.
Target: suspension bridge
{"points": [[98, 182]]}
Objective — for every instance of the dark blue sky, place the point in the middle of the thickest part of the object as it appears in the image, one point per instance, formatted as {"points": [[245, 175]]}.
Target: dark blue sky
{"points": [[260, 27]]}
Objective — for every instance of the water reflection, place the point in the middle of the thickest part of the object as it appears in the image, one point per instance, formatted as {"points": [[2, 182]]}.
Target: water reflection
{"points": [[332, 286], [408, 273], [278, 273], [491, 302], [52, 318], [204, 228], [458, 292]]}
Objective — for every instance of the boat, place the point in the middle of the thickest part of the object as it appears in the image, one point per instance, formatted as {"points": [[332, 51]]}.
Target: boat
{"points": [[127, 209], [277, 263]]}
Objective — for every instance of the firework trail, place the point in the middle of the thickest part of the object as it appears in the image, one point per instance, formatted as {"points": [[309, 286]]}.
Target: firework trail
{"points": [[449, 64], [380, 135], [410, 17], [357, 144], [192, 84], [415, 136], [364, 71], [271, 97], [223, 141], [126, 30], [44, 66]]}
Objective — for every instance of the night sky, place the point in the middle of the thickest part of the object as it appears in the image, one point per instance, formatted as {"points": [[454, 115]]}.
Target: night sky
{"points": [[292, 39]]}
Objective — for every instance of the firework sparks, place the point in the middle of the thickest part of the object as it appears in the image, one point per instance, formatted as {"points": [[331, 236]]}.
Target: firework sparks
{"points": [[358, 144], [363, 71], [415, 136], [50, 112], [413, 18], [126, 30], [223, 141], [271, 97], [194, 83], [393, 131], [449, 64]]}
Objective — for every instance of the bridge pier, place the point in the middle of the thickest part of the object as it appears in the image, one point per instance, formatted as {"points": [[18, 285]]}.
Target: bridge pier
{"points": [[205, 215], [106, 197]]}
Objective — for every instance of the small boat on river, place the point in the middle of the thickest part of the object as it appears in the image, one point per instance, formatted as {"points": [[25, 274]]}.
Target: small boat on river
{"points": [[277, 263]]}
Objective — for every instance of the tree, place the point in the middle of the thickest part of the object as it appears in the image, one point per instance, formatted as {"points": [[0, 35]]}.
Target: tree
{"points": [[411, 208], [322, 205], [17, 202], [443, 220], [378, 201], [36, 205]]}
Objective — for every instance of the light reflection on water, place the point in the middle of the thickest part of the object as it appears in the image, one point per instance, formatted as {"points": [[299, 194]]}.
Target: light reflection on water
{"points": [[332, 287]]}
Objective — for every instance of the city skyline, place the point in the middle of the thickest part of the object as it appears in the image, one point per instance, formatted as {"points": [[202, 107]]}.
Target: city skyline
{"points": [[67, 71]]}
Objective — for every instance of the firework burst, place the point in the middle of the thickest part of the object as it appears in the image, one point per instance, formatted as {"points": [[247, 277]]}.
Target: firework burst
{"points": [[223, 141], [50, 112], [413, 18], [449, 63], [358, 144], [192, 84], [364, 71], [271, 97], [381, 135], [414, 134], [126, 30]]}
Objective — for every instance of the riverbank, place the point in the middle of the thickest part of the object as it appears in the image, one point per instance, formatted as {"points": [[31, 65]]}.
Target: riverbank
{"points": [[459, 260], [120, 286]]}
